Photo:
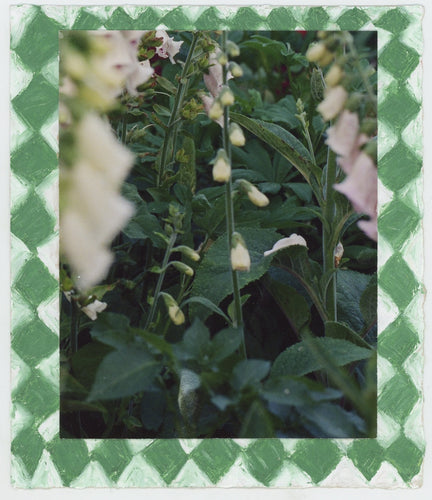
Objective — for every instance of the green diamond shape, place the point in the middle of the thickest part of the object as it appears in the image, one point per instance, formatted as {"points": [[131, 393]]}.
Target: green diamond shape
{"points": [[281, 19], [37, 102], [399, 108], [399, 166], [264, 459], [317, 458], [316, 19], [246, 18], [215, 457], [31, 222], [34, 282], [398, 281], [394, 20], [397, 341], [208, 19], [86, 21], [177, 19], [397, 223], [167, 457], [34, 341], [398, 397], [33, 160], [406, 457], [352, 19], [398, 59], [367, 456], [113, 455], [39, 43], [149, 19], [70, 457], [28, 445], [119, 20], [38, 396]]}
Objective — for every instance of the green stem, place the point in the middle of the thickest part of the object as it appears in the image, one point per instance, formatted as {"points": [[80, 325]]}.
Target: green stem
{"points": [[160, 279], [328, 230], [229, 210], [170, 136]]}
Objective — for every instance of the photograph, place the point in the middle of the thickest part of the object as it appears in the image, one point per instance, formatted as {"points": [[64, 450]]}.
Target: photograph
{"points": [[218, 228]]}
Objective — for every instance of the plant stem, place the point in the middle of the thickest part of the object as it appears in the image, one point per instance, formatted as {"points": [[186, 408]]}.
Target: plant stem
{"points": [[229, 210], [329, 210], [171, 133], [160, 279]]}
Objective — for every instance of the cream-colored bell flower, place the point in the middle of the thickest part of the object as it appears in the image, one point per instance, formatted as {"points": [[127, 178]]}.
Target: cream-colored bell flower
{"points": [[169, 47], [333, 103], [257, 198], [240, 258], [221, 167], [236, 135], [226, 96], [94, 308], [293, 239]]}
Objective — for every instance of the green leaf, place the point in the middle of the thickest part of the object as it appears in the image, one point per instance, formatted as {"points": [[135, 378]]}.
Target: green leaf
{"points": [[112, 329], [249, 372], [224, 343], [299, 360], [292, 304], [145, 226], [161, 110], [257, 422], [292, 391], [195, 344], [208, 304], [368, 301], [350, 287], [86, 360], [213, 276], [283, 142], [123, 373], [337, 330], [331, 421], [167, 85]]}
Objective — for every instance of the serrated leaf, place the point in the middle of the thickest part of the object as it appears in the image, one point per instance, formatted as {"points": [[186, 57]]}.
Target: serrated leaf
{"points": [[123, 373], [298, 360], [213, 276], [249, 372]]}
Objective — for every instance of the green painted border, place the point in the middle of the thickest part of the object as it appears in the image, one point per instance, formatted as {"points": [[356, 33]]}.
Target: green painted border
{"points": [[39, 457]]}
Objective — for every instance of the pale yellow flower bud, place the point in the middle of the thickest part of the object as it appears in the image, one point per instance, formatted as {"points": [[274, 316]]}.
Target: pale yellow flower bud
{"points": [[221, 167], [183, 268], [216, 110], [240, 259], [257, 198], [316, 52], [326, 59], [189, 252], [236, 135], [334, 75], [174, 311], [222, 58], [233, 49], [226, 97], [236, 70]]}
